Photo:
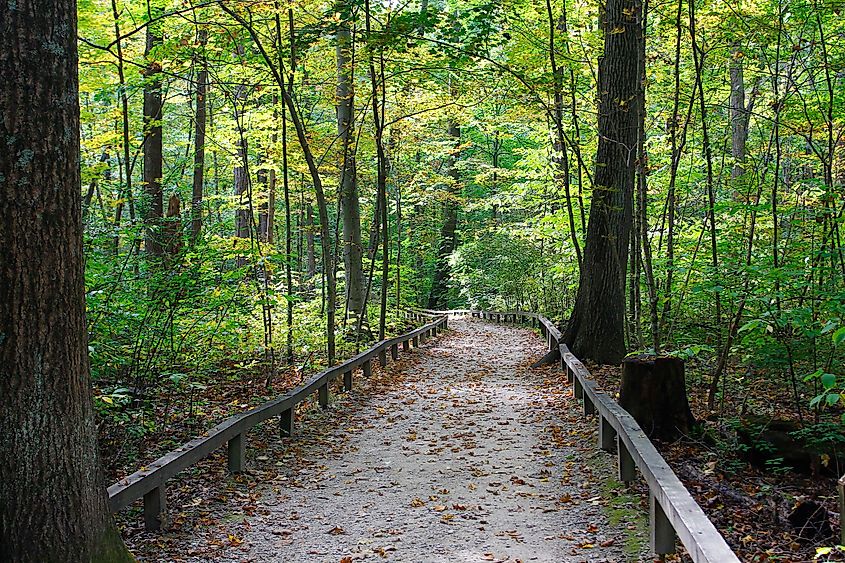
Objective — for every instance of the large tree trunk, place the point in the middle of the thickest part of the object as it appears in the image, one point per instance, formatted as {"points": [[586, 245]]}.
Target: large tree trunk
{"points": [[53, 505], [199, 134], [153, 204], [448, 242], [350, 208], [596, 329]]}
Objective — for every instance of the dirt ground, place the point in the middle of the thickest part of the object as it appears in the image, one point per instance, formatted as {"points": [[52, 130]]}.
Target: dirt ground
{"points": [[457, 452]]}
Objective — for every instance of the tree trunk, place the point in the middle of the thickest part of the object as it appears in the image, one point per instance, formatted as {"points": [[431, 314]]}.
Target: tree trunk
{"points": [[439, 286], [560, 158], [53, 505], [739, 119], [124, 106], [267, 214], [596, 329], [199, 143], [172, 229], [153, 204], [350, 208], [654, 392], [240, 175], [311, 258]]}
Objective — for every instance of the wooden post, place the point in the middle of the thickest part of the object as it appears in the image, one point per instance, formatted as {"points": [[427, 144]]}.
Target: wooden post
{"points": [[347, 380], [577, 390], [323, 394], [422, 337], [155, 508], [661, 532], [607, 435], [237, 453], [367, 368], [551, 339], [445, 323], [394, 352], [406, 345], [626, 466], [589, 407], [286, 423], [382, 358], [415, 341]]}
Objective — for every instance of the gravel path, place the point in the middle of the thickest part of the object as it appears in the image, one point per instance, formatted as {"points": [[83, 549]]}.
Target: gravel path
{"points": [[459, 452]]}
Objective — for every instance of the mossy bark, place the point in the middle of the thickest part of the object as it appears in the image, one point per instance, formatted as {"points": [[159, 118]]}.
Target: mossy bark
{"points": [[53, 504]]}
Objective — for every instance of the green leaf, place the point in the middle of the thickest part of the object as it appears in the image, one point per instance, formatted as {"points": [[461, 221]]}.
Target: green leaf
{"points": [[839, 336], [828, 380], [832, 399], [810, 376]]}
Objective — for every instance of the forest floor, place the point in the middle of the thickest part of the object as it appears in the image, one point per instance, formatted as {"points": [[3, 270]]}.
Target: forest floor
{"points": [[457, 452], [749, 505]]}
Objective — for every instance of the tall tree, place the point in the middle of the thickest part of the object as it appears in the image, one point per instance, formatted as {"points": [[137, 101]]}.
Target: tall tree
{"points": [[53, 505], [153, 201], [199, 135], [350, 207], [448, 242], [596, 328]]}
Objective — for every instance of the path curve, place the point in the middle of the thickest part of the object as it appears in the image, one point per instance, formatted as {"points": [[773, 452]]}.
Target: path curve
{"points": [[459, 452]]}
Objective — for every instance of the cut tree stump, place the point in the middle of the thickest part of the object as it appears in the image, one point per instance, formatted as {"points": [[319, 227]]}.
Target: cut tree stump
{"points": [[654, 392]]}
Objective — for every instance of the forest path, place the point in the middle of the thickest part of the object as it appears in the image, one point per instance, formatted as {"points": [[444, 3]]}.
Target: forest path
{"points": [[459, 452]]}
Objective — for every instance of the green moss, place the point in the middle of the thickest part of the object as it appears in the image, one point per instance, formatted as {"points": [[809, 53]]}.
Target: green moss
{"points": [[622, 509], [110, 548]]}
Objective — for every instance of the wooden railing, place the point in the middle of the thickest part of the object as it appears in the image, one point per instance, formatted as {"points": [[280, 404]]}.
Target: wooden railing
{"points": [[673, 513], [150, 482]]}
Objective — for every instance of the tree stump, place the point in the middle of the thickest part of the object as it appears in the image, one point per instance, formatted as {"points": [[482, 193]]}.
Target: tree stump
{"points": [[654, 392]]}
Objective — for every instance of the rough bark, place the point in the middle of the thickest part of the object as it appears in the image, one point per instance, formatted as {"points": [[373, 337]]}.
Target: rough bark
{"points": [[596, 328], [53, 505], [654, 392], [153, 199], [739, 119], [350, 208]]}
